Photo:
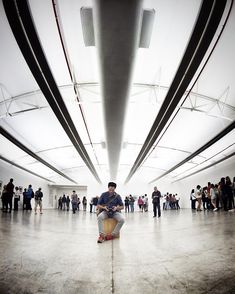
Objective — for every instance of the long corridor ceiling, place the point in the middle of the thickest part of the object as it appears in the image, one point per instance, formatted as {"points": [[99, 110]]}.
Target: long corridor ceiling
{"points": [[114, 111]]}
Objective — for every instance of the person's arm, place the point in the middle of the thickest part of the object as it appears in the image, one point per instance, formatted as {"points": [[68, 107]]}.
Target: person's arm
{"points": [[120, 205], [100, 204]]}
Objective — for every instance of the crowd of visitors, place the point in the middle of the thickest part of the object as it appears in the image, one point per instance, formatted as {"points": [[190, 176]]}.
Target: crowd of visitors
{"points": [[11, 192], [214, 196]]}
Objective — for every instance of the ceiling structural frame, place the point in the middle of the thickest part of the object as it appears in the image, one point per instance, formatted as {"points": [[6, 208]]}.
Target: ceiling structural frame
{"points": [[206, 167], [204, 30], [23, 168], [224, 132], [22, 26], [8, 136], [88, 85]]}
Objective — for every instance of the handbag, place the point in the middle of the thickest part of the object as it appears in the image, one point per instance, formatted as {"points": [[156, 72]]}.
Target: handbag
{"points": [[99, 210]]}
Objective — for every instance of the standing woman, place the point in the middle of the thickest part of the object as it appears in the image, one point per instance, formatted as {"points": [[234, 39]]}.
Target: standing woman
{"points": [[84, 203], [16, 198], [140, 203], [199, 197], [213, 196]]}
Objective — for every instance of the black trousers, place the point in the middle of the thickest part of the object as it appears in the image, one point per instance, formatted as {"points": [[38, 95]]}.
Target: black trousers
{"points": [[28, 204], [16, 200], [156, 207], [225, 201], [9, 202], [193, 204]]}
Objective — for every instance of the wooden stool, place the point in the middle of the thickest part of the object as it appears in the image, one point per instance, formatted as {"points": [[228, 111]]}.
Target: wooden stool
{"points": [[109, 225]]}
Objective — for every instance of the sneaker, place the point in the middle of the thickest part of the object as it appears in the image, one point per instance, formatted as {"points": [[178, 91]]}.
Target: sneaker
{"points": [[215, 209], [109, 237], [101, 239]]}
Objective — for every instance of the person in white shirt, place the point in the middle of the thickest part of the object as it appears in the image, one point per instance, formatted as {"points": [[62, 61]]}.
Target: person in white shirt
{"points": [[213, 197], [199, 197], [146, 203], [16, 198], [177, 198], [193, 199]]}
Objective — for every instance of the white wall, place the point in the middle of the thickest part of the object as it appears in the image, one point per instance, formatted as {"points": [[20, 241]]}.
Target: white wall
{"points": [[59, 190], [22, 178], [183, 188]]}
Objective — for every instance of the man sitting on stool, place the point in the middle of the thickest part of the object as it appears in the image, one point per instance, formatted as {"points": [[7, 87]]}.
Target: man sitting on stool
{"points": [[110, 204]]}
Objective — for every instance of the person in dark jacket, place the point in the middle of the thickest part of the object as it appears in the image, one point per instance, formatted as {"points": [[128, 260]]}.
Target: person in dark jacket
{"points": [[127, 204], [95, 202], [224, 193], [67, 202], [10, 192], [38, 200], [64, 202], [156, 195], [29, 196]]}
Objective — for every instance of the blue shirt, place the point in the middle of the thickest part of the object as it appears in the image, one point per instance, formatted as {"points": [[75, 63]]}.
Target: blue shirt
{"points": [[104, 199]]}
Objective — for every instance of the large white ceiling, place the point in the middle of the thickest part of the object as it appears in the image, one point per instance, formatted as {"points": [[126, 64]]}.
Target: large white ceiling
{"points": [[25, 113]]}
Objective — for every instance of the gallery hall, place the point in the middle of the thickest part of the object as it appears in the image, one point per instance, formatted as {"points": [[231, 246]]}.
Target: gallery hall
{"points": [[117, 144]]}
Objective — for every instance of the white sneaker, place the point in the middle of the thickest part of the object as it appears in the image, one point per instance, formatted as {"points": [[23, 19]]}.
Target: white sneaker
{"points": [[215, 209]]}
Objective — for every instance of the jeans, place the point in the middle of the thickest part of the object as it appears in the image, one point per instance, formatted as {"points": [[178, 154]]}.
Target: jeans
{"points": [[74, 206], [117, 216], [132, 207]]}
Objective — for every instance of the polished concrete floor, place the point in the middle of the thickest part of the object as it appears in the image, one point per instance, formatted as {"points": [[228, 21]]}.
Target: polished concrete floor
{"points": [[181, 252]]}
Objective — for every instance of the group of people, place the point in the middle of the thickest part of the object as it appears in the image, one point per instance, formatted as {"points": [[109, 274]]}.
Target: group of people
{"points": [[11, 192], [214, 196], [171, 201], [64, 202], [130, 203]]}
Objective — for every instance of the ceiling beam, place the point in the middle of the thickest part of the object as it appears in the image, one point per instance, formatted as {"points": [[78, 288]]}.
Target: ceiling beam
{"points": [[206, 167], [198, 151], [23, 168], [8, 136]]}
